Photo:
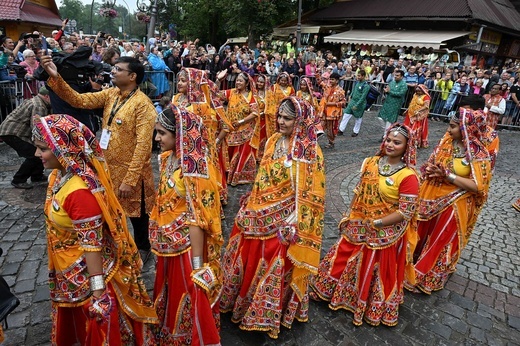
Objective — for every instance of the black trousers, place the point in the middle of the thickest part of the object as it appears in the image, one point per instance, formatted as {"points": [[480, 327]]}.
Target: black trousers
{"points": [[140, 225], [32, 167]]}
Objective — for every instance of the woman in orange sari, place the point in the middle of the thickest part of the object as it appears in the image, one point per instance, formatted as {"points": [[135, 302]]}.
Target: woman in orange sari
{"points": [[454, 189], [417, 115], [199, 95], [307, 93], [238, 154], [97, 294], [364, 271], [185, 233], [260, 135], [276, 240], [280, 90]]}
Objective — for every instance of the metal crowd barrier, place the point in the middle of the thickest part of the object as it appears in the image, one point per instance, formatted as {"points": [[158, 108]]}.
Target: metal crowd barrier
{"points": [[11, 96]]}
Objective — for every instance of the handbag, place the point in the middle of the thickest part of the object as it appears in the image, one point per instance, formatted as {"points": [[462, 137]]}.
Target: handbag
{"points": [[8, 301]]}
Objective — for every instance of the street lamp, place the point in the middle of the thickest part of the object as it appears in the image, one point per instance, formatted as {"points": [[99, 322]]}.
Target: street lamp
{"points": [[153, 18], [299, 27]]}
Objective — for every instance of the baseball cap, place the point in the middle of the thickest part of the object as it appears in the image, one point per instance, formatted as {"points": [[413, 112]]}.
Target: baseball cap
{"points": [[43, 91]]}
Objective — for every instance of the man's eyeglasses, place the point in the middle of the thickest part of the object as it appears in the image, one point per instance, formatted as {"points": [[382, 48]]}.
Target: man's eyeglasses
{"points": [[119, 69]]}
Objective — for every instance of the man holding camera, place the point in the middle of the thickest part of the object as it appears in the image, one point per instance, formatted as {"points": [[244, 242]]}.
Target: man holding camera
{"points": [[128, 123]]}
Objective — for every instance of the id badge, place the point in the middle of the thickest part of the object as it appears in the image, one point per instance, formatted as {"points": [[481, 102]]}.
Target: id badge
{"points": [[105, 138]]}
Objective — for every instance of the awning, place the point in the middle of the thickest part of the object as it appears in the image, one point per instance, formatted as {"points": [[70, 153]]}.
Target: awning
{"points": [[306, 29], [39, 14], [404, 38]]}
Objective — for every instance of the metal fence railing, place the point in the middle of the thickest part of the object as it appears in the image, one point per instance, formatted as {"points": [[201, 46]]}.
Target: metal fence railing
{"points": [[12, 94]]}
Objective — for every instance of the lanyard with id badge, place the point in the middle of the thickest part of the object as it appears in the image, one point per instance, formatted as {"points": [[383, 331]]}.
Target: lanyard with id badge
{"points": [[106, 133]]}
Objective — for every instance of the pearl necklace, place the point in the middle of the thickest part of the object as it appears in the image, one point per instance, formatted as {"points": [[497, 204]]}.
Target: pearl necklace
{"points": [[387, 169]]}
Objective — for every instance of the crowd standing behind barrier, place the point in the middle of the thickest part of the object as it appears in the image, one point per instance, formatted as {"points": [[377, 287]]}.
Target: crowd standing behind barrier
{"points": [[444, 83]]}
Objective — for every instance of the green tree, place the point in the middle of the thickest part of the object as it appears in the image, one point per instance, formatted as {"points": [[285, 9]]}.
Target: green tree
{"points": [[73, 9]]}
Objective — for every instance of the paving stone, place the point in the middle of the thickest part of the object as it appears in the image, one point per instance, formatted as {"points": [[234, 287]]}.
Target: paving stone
{"points": [[477, 334], [41, 294], [462, 301], [479, 321], [436, 327], [514, 322], [456, 324], [487, 311], [23, 286], [418, 335]]}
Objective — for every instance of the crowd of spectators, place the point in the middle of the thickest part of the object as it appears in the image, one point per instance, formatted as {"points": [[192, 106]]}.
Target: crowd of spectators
{"points": [[447, 83]]}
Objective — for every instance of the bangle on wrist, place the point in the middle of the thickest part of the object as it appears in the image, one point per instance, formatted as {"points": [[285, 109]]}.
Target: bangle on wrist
{"points": [[196, 262], [451, 177], [97, 282]]}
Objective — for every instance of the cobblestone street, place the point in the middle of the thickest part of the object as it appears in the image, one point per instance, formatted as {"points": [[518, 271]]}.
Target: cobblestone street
{"points": [[480, 304]]}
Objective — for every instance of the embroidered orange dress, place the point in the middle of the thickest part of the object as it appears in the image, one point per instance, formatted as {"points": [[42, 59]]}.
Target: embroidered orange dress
{"points": [[416, 116], [447, 214], [260, 134], [187, 195], [83, 215], [364, 271], [239, 155], [330, 115], [276, 240], [202, 99], [274, 97]]}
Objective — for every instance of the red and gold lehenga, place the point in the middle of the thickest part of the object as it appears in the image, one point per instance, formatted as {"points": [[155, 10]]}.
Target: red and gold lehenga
{"points": [[186, 300], [275, 96], [238, 154], [276, 240], [447, 214], [364, 271], [416, 116], [83, 215]]}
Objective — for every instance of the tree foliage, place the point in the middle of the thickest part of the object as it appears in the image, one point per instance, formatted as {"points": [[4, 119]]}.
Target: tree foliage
{"points": [[211, 21]]}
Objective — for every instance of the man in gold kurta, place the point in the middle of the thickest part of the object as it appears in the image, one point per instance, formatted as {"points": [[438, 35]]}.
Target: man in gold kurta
{"points": [[129, 119]]}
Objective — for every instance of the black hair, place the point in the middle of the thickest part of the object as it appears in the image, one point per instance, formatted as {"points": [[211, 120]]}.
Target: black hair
{"points": [[288, 106], [135, 66], [169, 122], [473, 101], [335, 75], [362, 72], [245, 76], [400, 72]]}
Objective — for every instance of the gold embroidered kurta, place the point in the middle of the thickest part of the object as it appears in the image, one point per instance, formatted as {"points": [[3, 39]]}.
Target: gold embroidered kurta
{"points": [[129, 151]]}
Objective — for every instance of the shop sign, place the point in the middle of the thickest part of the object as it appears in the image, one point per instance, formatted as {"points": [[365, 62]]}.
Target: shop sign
{"points": [[487, 36]]}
